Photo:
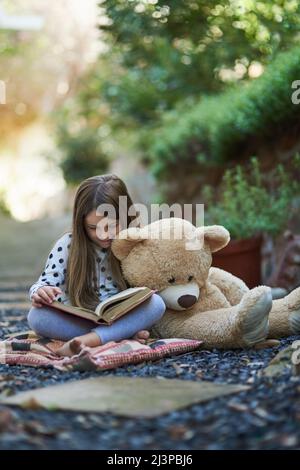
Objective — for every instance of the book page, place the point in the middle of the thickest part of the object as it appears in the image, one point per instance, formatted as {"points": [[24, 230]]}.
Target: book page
{"points": [[70, 308], [125, 294], [111, 308], [114, 311]]}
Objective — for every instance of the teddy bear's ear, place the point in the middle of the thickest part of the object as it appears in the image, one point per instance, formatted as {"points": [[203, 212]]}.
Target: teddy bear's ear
{"points": [[124, 242], [215, 235]]}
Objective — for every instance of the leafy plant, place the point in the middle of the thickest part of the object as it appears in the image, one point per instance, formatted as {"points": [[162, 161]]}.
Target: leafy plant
{"points": [[3, 205], [82, 154], [216, 128], [166, 52], [247, 206]]}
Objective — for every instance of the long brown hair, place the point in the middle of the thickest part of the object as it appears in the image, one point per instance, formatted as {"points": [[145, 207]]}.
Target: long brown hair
{"points": [[81, 277]]}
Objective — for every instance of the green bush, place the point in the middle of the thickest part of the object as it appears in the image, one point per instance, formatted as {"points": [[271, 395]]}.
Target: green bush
{"points": [[82, 154], [3, 206], [166, 52], [246, 206], [215, 130]]}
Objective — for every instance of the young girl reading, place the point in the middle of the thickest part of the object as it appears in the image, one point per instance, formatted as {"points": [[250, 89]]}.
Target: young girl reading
{"points": [[81, 270]]}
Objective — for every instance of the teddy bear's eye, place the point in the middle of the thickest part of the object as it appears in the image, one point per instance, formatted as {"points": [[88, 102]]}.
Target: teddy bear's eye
{"points": [[190, 278], [171, 280]]}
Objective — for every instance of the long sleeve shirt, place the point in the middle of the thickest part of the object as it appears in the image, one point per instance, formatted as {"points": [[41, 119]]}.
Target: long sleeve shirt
{"points": [[56, 267]]}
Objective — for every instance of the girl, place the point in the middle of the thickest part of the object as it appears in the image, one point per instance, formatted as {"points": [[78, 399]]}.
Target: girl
{"points": [[81, 270]]}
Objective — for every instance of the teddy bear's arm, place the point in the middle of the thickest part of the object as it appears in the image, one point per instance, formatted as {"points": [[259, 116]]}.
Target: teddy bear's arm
{"points": [[210, 298], [241, 325], [231, 286]]}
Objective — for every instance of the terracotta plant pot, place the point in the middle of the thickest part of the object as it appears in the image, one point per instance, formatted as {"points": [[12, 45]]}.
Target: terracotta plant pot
{"points": [[241, 258]]}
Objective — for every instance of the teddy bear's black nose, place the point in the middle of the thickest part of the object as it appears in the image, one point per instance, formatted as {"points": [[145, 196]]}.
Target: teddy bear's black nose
{"points": [[187, 301]]}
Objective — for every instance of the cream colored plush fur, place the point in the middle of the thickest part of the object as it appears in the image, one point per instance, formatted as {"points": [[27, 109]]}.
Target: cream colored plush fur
{"points": [[174, 257]]}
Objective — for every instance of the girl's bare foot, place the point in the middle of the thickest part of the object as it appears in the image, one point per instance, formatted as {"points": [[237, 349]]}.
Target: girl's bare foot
{"points": [[75, 345], [141, 336], [70, 348]]}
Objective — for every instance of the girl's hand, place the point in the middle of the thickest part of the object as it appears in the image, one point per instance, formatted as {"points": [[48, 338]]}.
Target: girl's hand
{"points": [[45, 296]]}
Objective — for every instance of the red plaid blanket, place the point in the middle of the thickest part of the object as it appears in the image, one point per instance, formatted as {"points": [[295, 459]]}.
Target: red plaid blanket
{"points": [[30, 350]]}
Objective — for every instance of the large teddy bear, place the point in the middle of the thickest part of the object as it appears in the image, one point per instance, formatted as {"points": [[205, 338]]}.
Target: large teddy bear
{"points": [[174, 257]]}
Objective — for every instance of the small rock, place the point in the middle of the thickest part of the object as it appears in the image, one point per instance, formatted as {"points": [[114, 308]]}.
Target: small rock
{"points": [[6, 420], [289, 441], [238, 406]]}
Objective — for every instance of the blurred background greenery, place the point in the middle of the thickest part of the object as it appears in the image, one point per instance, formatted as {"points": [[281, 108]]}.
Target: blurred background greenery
{"points": [[169, 95]]}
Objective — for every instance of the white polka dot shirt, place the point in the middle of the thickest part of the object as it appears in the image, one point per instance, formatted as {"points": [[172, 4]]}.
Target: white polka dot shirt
{"points": [[56, 267]]}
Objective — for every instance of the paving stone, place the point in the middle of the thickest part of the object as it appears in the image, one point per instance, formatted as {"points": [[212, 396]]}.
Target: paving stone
{"points": [[17, 296], [124, 396]]}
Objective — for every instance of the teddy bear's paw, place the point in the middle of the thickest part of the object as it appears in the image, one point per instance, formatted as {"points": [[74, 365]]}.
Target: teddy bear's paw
{"points": [[294, 308], [253, 315]]}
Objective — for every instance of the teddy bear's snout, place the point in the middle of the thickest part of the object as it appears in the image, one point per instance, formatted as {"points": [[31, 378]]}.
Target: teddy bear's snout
{"points": [[181, 296], [187, 301]]}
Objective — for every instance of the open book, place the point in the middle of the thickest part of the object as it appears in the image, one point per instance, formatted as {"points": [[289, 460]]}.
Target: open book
{"points": [[109, 309]]}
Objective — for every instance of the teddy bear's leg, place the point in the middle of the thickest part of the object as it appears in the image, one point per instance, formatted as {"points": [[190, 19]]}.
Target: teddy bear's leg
{"points": [[231, 286], [241, 325], [285, 315]]}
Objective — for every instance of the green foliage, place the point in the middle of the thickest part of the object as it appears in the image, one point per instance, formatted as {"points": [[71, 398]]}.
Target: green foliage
{"points": [[3, 206], [81, 128], [219, 127], [160, 80], [165, 52], [82, 154], [246, 206]]}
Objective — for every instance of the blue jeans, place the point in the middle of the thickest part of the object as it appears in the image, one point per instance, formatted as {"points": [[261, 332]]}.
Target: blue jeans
{"points": [[55, 324]]}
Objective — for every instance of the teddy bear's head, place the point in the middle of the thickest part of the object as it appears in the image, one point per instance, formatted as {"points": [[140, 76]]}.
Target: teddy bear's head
{"points": [[170, 255]]}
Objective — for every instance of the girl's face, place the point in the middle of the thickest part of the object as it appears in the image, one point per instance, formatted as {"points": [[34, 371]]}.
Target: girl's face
{"points": [[100, 229]]}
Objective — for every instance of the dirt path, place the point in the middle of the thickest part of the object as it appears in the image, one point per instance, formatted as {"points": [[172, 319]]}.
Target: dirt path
{"points": [[24, 247]]}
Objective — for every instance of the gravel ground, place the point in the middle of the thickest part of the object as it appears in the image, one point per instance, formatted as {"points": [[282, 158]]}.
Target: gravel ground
{"points": [[265, 417]]}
